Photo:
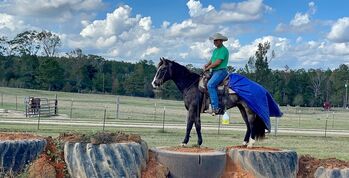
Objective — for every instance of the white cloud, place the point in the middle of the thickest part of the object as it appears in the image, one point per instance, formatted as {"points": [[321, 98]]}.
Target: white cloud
{"points": [[150, 51], [300, 23], [195, 8], [9, 22], [279, 45], [312, 8], [249, 10], [300, 19], [61, 10], [340, 31], [189, 29]]}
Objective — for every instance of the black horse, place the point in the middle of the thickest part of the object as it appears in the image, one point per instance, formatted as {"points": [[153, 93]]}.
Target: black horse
{"points": [[187, 82]]}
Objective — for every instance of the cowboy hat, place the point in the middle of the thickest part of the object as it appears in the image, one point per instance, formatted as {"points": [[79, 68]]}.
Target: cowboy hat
{"points": [[218, 36]]}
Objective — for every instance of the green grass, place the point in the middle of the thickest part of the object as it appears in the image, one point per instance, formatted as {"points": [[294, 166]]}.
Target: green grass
{"points": [[90, 107]]}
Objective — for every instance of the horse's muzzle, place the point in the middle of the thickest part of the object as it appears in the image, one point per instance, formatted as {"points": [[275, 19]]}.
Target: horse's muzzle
{"points": [[155, 84]]}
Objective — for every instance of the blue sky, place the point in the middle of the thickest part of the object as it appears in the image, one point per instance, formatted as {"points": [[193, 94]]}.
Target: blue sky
{"points": [[303, 33]]}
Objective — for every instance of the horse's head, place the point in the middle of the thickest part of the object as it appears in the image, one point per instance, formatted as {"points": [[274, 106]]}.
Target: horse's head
{"points": [[163, 73]]}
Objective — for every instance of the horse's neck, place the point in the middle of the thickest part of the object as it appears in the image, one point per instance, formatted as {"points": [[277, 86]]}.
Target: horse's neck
{"points": [[185, 80]]}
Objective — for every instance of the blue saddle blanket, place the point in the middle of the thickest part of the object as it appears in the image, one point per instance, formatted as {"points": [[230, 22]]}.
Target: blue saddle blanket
{"points": [[256, 97]]}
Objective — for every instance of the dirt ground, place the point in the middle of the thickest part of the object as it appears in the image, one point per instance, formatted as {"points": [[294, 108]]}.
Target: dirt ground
{"points": [[190, 149], [154, 169], [309, 164], [50, 163], [100, 137], [18, 136]]}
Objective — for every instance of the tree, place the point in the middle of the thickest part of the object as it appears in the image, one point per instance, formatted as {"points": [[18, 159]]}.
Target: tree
{"points": [[50, 42], [298, 100], [51, 75], [4, 46], [25, 43], [317, 78], [75, 53]]}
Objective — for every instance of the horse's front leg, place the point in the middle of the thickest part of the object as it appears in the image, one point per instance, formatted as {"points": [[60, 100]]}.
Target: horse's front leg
{"points": [[190, 123], [194, 115]]}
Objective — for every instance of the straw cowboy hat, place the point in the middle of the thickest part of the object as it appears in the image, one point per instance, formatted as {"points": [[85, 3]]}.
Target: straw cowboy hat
{"points": [[218, 36]]}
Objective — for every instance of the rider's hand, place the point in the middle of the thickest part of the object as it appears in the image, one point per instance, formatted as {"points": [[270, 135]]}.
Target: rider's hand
{"points": [[206, 67]]}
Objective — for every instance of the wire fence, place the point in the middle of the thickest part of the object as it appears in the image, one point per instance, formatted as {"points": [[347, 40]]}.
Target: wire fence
{"points": [[120, 111]]}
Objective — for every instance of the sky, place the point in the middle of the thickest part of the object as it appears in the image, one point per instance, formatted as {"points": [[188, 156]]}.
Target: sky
{"points": [[303, 33]]}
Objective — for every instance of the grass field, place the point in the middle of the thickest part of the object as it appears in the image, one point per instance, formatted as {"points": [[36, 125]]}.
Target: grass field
{"points": [[134, 111]]}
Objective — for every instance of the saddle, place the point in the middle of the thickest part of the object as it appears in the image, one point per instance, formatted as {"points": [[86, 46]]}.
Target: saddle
{"points": [[222, 89]]}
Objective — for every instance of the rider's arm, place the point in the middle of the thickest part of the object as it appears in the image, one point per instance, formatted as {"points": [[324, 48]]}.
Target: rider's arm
{"points": [[209, 63], [216, 63]]}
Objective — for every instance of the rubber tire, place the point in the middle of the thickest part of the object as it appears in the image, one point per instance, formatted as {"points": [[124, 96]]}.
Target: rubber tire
{"points": [[268, 164], [106, 160], [15, 154]]}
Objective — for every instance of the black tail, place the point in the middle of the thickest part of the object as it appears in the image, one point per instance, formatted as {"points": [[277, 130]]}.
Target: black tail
{"points": [[259, 128]]}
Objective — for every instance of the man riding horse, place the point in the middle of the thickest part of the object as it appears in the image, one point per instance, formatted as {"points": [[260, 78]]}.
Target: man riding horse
{"points": [[218, 64], [255, 103]]}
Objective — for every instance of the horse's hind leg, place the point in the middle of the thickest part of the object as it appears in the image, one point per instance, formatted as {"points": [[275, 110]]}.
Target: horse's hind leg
{"points": [[198, 130], [187, 133], [248, 131]]}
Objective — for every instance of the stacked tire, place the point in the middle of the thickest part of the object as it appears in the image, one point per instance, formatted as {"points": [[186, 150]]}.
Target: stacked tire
{"points": [[15, 154]]}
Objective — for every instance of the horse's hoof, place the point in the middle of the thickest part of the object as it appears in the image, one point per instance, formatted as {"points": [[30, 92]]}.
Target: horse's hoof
{"points": [[183, 144], [244, 143], [250, 143]]}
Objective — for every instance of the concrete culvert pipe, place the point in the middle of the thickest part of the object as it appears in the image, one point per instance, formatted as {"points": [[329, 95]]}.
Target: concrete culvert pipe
{"points": [[209, 164]]}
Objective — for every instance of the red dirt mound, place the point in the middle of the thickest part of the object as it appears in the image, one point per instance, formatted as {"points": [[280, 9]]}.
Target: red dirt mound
{"points": [[41, 168], [100, 137], [308, 165], [189, 149], [235, 171], [18, 136], [154, 169]]}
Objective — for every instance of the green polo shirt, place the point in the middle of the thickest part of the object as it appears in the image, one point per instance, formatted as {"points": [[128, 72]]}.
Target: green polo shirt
{"points": [[221, 53]]}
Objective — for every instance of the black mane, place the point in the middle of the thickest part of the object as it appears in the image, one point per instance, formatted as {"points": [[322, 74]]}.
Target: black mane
{"points": [[182, 76]]}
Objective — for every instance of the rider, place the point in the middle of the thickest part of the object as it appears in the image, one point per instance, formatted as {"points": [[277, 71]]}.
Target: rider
{"points": [[218, 64]]}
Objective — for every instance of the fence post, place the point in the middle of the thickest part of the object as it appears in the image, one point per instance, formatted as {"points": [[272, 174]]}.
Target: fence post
{"points": [[16, 103], [299, 118], [333, 119], [219, 124], [26, 107], [163, 120], [105, 112], [117, 107], [39, 120], [276, 126], [56, 105], [71, 109], [2, 100], [326, 128], [155, 111]]}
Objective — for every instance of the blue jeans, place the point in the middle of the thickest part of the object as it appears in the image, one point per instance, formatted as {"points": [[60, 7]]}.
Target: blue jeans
{"points": [[217, 77]]}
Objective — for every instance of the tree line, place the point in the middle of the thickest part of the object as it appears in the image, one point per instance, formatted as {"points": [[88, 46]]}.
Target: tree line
{"points": [[29, 61]]}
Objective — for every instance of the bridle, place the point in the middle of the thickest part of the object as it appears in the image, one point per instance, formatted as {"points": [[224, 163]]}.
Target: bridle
{"points": [[162, 78]]}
